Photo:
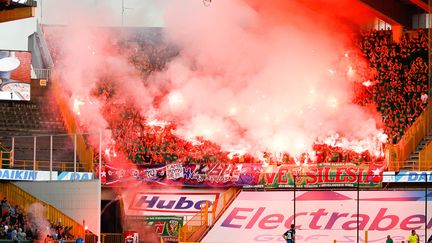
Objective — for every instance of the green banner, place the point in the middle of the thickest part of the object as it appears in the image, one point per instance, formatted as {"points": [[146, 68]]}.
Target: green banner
{"points": [[166, 226], [323, 175]]}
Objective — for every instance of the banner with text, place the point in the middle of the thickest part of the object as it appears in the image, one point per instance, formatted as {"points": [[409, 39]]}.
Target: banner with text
{"points": [[180, 202], [27, 175], [324, 216], [249, 175], [316, 176]]}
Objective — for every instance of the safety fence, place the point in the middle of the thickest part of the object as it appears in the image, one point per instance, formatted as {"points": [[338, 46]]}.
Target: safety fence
{"points": [[42, 73], [19, 197], [425, 158], [59, 152], [400, 152], [199, 224], [84, 151], [112, 238]]}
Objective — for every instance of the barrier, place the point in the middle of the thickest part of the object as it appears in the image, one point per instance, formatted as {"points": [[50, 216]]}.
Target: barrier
{"points": [[19, 197], [400, 152], [198, 225], [425, 158], [6, 158], [112, 238], [42, 73], [44, 165], [222, 202], [84, 152]]}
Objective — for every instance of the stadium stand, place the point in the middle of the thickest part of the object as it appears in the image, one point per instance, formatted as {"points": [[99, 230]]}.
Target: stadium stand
{"points": [[21, 121], [398, 85], [28, 223], [401, 78]]}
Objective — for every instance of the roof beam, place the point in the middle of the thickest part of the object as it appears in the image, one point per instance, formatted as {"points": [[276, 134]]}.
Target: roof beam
{"points": [[393, 12], [17, 13], [423, 4]]}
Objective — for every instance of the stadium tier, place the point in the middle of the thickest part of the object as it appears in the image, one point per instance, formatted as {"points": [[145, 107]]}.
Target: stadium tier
{"points": [[215, 121]]}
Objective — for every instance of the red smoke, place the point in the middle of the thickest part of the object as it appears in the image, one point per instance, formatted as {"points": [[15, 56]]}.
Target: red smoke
{"points": [[251, 75]]}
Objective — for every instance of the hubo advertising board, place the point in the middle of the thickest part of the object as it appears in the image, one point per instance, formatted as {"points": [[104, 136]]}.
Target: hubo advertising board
{"points": [[15, 69], [175, 202], [324, 216]]}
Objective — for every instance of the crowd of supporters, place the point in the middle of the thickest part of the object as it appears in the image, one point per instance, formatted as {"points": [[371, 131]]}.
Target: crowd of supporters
{"points": [[152, 142], [18, 225], [13, 224], [147, 52], [401, 85], [398, 88]]}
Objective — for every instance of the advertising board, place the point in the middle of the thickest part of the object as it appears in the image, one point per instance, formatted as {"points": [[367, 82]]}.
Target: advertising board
{"points": [[324, 216], [168, 202]]}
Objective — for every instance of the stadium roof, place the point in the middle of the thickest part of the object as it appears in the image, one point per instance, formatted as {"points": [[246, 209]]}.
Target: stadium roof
{"points": [[16, 9], [398, 12]]}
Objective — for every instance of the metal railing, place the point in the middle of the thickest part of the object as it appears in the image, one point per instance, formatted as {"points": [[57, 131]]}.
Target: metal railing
{"points": [[111, 238], [42, 73], [45, 152], [195, 228], [425, 158], [222, 202], [84, 151], [43, 165], [197, 225], [400, 152]]}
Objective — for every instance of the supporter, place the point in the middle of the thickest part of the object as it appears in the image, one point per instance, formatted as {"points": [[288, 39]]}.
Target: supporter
{"points": [[21, 235], [14, 234], [424, 98], [397, 88], [401, 77], [29, 233], [3, 234], [9, 234]]}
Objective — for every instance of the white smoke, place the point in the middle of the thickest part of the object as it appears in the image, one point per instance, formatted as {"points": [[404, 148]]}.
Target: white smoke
{"points": [[36, 212], [241, 79]]}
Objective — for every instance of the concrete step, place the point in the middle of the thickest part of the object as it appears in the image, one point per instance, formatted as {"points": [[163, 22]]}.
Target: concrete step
{"points": [[407, 168], [409, 162], [420, 148], [423, 143]]}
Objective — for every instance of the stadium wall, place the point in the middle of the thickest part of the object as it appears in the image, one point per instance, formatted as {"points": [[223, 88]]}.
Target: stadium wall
{"points": [[79, 200]]}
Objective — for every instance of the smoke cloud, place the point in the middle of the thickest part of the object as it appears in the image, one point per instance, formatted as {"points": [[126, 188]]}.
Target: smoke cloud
{"points": [[267, 77], [36, 212], [257, 75]]}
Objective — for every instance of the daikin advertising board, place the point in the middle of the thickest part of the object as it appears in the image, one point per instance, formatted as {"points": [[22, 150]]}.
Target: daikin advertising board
{"points": [[324, 216]]}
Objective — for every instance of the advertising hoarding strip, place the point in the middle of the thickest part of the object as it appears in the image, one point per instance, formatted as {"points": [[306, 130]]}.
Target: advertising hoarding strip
{"points": [[250, 175]]}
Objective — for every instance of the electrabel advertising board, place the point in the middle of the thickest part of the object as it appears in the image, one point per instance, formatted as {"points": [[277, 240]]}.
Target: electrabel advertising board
{"points": [[323, 216], [15, 75], [181, 202]]}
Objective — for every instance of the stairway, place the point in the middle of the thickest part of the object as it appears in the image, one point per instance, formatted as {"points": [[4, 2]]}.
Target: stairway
{"points": [[413, 161]]}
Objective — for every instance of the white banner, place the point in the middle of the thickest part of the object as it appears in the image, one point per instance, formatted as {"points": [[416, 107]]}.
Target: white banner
{"points": [[26, 175], [414, 176], [323, 216], [388, 176], [79, 176], [173, 202]]}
